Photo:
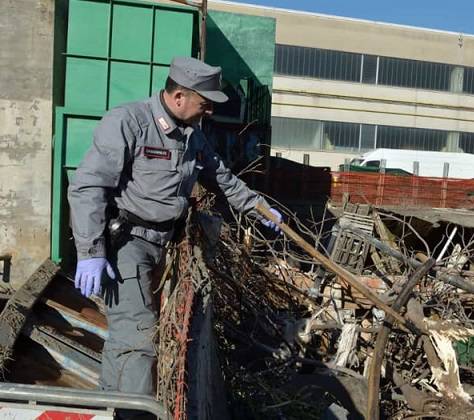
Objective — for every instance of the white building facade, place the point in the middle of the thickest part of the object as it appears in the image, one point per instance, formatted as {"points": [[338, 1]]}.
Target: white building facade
{"points": [[343, 86]]}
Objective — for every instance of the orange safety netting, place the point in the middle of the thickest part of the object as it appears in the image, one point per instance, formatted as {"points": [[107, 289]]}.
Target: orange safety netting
{"points": [[407, 191]]}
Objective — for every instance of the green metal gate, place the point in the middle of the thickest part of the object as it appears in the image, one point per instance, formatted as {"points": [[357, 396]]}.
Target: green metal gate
{"points": [[117, 52]]}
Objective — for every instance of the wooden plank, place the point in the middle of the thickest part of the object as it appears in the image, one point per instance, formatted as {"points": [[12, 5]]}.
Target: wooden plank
{"points": [[387, 238]]}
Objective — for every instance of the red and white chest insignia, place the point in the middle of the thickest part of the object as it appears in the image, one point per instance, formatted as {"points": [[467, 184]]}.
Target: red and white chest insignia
{"points": [[164, 125], [156, 153]]}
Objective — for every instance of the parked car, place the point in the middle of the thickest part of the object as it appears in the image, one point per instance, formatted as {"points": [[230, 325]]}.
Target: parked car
{"points": [[431, 164]]}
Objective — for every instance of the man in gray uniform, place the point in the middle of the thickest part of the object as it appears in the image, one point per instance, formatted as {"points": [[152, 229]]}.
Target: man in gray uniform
{"points": [[144, 161]]}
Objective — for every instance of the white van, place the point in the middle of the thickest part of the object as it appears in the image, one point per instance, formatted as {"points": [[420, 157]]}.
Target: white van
{"points": [[461, 165]]}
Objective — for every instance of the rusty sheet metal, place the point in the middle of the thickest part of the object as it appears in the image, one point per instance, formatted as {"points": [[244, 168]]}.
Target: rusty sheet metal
{"points": [[63, 296], [61, 339], [78, 320], [75, 330], [69, 358], [33, 364], [56, 334]]}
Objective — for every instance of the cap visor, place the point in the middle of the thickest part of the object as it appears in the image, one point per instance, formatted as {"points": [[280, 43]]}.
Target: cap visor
{"points": [[214, 95]]}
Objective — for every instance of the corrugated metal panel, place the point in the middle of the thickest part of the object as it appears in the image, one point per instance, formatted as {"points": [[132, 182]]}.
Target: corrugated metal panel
{"points": [[117, 52]]}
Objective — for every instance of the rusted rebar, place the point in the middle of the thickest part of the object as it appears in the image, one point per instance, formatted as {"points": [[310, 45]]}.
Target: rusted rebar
{"points": [[373, 411]]}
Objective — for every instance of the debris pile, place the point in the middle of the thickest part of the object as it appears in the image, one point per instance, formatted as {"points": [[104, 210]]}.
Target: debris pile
{"points": [[361, 313], [297, 340]]}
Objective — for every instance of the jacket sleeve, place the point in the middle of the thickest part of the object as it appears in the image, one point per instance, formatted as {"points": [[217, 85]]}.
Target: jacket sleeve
{"points": [[97, 175], [240, 197]]}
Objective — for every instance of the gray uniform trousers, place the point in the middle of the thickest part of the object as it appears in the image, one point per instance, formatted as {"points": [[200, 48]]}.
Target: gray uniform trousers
{"points": [[128, 357]]}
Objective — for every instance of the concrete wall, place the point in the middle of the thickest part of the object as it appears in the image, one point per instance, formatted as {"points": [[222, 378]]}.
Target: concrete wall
{"points": [[329, 100], [26, 61]]}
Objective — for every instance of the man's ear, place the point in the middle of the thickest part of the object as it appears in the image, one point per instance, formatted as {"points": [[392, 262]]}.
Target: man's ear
{"points": [[178, 96]]}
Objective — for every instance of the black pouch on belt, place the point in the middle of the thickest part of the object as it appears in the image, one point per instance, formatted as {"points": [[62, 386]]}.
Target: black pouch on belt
{"points": [[119, 230]]}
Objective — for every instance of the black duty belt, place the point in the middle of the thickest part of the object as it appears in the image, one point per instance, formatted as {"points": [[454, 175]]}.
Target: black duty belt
{"points": [[134, 220]]}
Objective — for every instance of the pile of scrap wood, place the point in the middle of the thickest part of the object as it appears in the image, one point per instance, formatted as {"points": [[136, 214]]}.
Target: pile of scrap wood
{"points": [[368, 314]]}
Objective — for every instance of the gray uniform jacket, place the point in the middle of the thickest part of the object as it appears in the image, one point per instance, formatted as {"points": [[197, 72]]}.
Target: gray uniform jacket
{"points": [[142, 162]]}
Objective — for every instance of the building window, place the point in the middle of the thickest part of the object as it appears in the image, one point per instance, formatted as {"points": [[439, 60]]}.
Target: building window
{"points": [[468, 80], [466, 142], [303, 134], [341, 136], [369, 69], [296, 133], [317, 63], [411, 138], [414, 74], [368, 135]]}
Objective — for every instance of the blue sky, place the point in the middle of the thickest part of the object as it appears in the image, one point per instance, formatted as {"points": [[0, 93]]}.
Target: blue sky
{"points": [[453, 15]]}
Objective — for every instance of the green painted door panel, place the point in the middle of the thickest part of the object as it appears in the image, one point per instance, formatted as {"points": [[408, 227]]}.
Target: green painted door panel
{"points": [[79, 133], [243, 45], [131, 32], [73, 136], [143, 39], [173, 35], [91, 38], [128, 82], [86, 83], [117, 51], [160, 73]]}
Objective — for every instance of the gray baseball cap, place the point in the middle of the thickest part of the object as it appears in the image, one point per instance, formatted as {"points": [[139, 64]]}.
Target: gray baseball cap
{"points": [[198, 76]]}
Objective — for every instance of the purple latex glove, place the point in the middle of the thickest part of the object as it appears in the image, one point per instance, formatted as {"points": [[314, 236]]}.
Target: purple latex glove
{"points": [[89, 275], [269, 223]]}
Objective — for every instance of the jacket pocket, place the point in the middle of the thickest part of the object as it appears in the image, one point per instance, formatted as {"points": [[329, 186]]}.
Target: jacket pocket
{"points": [[142, 276], [145, 285]]}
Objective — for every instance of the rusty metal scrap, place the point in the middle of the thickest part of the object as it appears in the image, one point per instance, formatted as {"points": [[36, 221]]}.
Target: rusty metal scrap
{"points": [[378, 333], [327, 263], [282, 313]]}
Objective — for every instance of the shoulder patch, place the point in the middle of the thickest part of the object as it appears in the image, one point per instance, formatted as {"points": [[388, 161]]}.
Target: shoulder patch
{"points": [[164, 125]]}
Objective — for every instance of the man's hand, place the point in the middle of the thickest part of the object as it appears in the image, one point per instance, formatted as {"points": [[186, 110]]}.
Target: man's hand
{"points": [[89, 275], [271, 224]]}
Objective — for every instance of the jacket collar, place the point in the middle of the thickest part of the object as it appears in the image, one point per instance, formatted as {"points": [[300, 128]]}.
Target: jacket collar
{"points": [[162, 115], [165, 120]]}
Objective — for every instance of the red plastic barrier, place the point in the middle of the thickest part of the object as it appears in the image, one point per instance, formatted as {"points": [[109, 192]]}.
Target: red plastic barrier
{"points": [[404, 191]]}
